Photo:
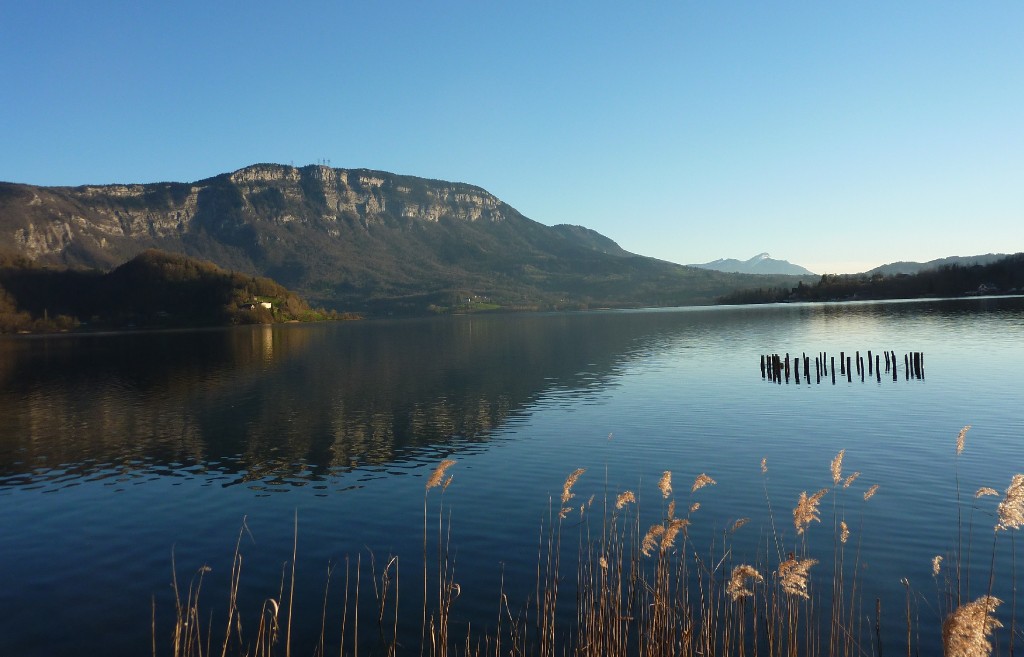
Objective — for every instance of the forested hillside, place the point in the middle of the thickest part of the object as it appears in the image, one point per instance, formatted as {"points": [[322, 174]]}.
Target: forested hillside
{"points": [[154, 289]]}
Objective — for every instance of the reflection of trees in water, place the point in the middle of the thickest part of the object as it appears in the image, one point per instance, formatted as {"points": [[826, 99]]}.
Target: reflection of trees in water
{"points": [[300, 403], [288, 403]]}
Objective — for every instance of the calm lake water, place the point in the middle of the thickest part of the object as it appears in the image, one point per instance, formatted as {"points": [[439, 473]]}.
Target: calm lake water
{"points": [[117, 449]]}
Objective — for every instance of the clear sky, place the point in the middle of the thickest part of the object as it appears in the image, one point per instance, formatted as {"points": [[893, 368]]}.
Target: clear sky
{"points": [[838, 136]]}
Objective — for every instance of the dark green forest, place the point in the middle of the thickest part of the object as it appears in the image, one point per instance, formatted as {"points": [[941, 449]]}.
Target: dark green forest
{"points": [[152, 290], [1005, 276]]}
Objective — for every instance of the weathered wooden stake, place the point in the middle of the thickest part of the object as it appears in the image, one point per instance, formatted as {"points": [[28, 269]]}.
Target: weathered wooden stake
{"points": [[869, 362], [832, 367], [849, 371], [878, 369]]}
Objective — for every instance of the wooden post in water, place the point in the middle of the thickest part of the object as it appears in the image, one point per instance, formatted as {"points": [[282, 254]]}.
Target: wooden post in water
{"points": [[817, 368], [878, 369], [869, 362], [796, 369], [856, 360], [787, 367], [861, 368], [849, 371], [842, 362], [807, 368], [887, 362], [906, 367]]}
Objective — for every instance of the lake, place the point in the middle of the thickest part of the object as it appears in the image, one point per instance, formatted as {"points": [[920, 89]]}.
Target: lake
{"points": [[123, 454]]}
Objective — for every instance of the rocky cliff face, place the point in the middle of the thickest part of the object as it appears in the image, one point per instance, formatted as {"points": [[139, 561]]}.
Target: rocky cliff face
{"points": [[66, 224]]}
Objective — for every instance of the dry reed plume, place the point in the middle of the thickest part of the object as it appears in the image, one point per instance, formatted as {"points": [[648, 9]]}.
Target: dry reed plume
{"points": [[844, 531], [837, 467], [665, 483], [960, 439], [806, 510], [438, 474], [849, 480], [570, 481], [671, 531], [624, 498], [739, 523], [936, 565], [764, 465], [793, 575], [985, 490], [737, 588], [1011, 509], [701, 481], [967, 631], [662, 536], [871, 492], [651, 539]]}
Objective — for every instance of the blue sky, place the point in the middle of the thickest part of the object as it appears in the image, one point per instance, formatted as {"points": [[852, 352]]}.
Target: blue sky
{"points": [[839, 136]]}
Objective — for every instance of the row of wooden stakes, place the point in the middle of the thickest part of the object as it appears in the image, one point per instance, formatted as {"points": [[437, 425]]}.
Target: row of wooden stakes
{"points": [[776, 368]]}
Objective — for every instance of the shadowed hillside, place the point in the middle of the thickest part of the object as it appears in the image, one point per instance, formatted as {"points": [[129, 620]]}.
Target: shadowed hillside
{"points": [[154, 289]]}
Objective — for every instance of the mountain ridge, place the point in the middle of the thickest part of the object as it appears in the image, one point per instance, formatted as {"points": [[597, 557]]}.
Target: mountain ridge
{"points": [[762, 263], [909, 267], [351, 239]]}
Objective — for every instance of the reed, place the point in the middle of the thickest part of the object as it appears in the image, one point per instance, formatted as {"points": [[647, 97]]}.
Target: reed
{"points": [[640, 588]]}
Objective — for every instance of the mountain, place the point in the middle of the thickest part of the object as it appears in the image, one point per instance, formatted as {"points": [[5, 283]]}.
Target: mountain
{"points": [[352, 240], [1004, 275], [762, 263], [894, 268]]}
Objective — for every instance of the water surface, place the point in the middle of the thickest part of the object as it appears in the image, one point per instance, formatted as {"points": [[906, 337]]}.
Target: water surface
{"points": [[116, 449]]}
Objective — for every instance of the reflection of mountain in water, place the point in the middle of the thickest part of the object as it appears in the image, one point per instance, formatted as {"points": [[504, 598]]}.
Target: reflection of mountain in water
{"points": [[285, 404]]}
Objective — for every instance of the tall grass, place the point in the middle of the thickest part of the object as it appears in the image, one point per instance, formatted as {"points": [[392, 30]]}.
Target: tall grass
{"points": [[610, 583]]}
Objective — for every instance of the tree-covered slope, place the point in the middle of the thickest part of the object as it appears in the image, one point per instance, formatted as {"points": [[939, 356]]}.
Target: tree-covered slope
{"points": [[154, 289]]}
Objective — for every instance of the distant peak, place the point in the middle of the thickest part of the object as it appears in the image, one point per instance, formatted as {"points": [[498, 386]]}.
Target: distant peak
{"points": [[762, 256]]}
